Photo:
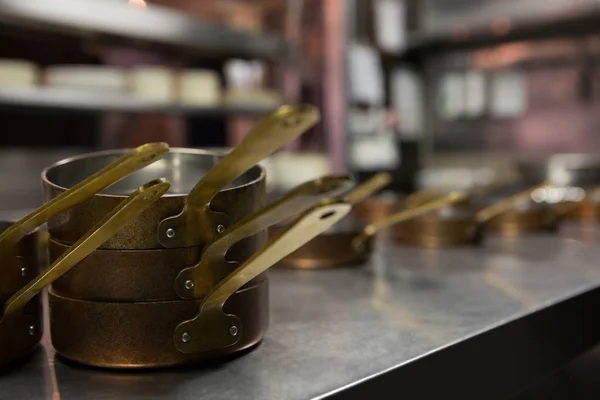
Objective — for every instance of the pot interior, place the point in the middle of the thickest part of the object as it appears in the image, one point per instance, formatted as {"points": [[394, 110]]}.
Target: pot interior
{"points": [[183, 168]]}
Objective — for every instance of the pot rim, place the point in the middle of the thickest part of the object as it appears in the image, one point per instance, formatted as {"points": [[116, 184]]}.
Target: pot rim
{"points": [[181, 150]]}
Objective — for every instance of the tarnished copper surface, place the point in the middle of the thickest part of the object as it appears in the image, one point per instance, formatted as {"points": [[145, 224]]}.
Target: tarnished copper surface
{"points": [[136, 275], [518, 221], [245, 196], [587, 211], [19, 335], [326, 251], [377, 208], [140, 335], [448, 227]]}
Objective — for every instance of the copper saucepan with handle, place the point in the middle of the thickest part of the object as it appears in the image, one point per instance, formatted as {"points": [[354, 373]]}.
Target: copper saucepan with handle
{"points": [[20, 319], [220, 313], [350, 242], [165, 274], [460, 224], [210, 191]]}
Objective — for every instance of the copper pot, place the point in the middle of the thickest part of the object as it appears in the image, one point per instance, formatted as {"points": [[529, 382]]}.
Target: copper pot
{"points": [[20, 337], [350, 242], [210, 191], [465, 223], [20, 320], [213, 315], [159, 274]]}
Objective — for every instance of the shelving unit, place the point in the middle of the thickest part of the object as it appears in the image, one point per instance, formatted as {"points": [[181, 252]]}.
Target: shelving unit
{"points": [[73, 100], [135, 25]]}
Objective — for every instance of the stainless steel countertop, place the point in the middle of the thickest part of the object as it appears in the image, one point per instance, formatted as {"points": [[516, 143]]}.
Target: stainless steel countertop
{"points": [[462, 322]]}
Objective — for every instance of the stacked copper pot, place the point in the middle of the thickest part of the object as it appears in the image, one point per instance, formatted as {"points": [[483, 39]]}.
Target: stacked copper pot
{"points": [[173, 273]]}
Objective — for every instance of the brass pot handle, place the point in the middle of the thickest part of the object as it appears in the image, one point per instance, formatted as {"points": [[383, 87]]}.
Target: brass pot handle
{"points": [[195, 225], [361, 192], [196, 281], [212, 328], [504, 205], [132, 161], [120, 216], [370, 230]]}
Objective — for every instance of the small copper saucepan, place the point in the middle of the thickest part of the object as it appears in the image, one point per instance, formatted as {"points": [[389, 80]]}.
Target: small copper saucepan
{"points": [[463, 223], [215, 307], [20, 320], [350, 242], [210, 191], [174, 274]]}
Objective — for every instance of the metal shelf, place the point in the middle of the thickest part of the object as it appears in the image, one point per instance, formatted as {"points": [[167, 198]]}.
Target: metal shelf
{"points": [[75, 100], [151, 25], [574, 21]]}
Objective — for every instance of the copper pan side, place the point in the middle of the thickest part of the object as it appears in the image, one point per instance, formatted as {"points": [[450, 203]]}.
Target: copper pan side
{"points": [[140, 335], [182, 167], [376, 208], [433, 230], [331, 249], [138, 275], [351, 242], [24, 332], [516, 221]]}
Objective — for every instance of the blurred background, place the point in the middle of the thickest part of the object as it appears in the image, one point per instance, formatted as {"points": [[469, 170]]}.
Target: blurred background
{"points": [[440, 92]]}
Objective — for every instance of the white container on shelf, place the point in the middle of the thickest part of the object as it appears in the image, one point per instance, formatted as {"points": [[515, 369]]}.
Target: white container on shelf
{"points": [[508, 94], [87, 77], [199, 87], [18, 73], [152, 83]]}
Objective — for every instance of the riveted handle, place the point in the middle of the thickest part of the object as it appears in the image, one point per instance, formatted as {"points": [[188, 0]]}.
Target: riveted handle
{"points": [[196, 281], [212, 328], [134, 160], [504, 205], [370, 230], [196, 224], [371, 186], [112, 223]]}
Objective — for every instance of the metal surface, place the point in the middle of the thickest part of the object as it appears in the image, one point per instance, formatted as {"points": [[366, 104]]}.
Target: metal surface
{"points": [[496, 317], [193, 336], [85, 188], [79, 100], [152, 25], [181, 167], [195, 224]]}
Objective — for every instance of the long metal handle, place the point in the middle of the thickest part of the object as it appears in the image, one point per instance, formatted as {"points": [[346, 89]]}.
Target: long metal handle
{"points": [[361, 192], [120, 216], [502, 206], [359, 241], [196, 281], [212, 328], [130, 162], [194, 225]]}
